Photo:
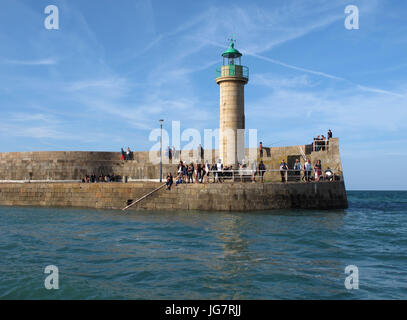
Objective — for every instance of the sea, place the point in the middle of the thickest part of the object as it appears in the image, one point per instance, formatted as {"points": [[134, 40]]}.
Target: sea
{"points": [[357, 253]]}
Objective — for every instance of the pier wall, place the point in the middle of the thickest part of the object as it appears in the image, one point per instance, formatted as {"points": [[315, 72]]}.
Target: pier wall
{"points": [[207, 197], [74, 165]]}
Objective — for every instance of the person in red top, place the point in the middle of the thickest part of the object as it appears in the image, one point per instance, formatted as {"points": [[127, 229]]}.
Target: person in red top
{"points": [[261, 149], [318, 170]]}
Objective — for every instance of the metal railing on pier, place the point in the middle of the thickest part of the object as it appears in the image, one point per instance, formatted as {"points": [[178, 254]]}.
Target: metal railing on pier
{"points": [[320, 145], [246, 174]]}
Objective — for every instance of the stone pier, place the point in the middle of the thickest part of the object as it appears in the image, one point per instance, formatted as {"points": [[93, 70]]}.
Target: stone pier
{"points": [[205, 197]]}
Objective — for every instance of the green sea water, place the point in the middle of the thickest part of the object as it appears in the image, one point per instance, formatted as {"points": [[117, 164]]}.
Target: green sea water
{"points": [[283, 254]]}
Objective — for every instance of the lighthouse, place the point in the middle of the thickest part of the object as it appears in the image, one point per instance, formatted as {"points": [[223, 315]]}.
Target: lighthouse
{"points": [[231, 78]]}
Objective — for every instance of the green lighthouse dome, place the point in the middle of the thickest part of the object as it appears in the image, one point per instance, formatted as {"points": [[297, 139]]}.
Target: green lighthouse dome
{"points": [[231, 52]]}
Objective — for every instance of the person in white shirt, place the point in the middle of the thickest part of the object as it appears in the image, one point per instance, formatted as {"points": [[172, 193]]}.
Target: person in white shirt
{"points": [[307, 171], [219, 167], [253, 168]]}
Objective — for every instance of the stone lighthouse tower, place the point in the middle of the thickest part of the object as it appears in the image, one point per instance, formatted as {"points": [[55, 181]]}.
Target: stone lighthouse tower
{"points": [[231, 78]]}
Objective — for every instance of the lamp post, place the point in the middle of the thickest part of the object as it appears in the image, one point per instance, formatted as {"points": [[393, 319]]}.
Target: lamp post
{"points": [[161, 151]]}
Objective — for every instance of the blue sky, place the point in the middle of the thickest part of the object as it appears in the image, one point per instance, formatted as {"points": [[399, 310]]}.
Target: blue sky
{"points": [[114, 68]]}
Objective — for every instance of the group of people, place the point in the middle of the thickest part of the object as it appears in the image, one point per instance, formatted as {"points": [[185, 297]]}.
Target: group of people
{"points": [[197, 173], [307, 168], [174, 153], [101, 178], [126, 155], [320, 142], [200, 173], [253, 170]]}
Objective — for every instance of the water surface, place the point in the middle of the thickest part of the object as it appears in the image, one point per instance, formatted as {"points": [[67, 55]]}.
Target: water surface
{"points": [[284, 254]]}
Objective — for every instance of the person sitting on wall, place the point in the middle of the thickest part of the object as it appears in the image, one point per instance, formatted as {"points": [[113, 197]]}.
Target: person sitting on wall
{"points": [[283, 170], [122, 154], [179, 179], [307, 171], [329, 175], [262, 170], [318, 170], [169, 182], [261, 149], [128, 153]]}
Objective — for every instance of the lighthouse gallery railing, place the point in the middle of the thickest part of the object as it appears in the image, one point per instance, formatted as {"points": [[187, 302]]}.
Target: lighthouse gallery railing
{"points": [[232, 70]]}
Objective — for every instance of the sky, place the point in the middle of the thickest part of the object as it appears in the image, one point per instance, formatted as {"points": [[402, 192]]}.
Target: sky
{"points": [[114, 68]]}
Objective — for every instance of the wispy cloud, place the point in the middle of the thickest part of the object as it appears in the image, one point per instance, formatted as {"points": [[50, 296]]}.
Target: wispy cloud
{"points": [[295, 113], [290, 66], [273, 81], [381, 91], [40, 62]]}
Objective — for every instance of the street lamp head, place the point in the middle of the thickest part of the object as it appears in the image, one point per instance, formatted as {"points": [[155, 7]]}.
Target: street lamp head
{"points": [[161, 120]]}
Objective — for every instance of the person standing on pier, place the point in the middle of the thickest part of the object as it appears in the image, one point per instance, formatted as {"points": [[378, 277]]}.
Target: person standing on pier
{"points": [[297, 168], [283, 171], [262, 170], [169, 153], [219, 169], [206, 172], [329, 134], [307, 171], [253, 169], [191, 173], [318, 170]]}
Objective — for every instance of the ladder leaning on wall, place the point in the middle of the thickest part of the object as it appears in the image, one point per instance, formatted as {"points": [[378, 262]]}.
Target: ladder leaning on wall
{"points": [[143, 197], [302, 153]]}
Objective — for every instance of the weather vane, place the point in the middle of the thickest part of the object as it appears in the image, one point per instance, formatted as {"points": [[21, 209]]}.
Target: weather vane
{"points": [[232, 39]]}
